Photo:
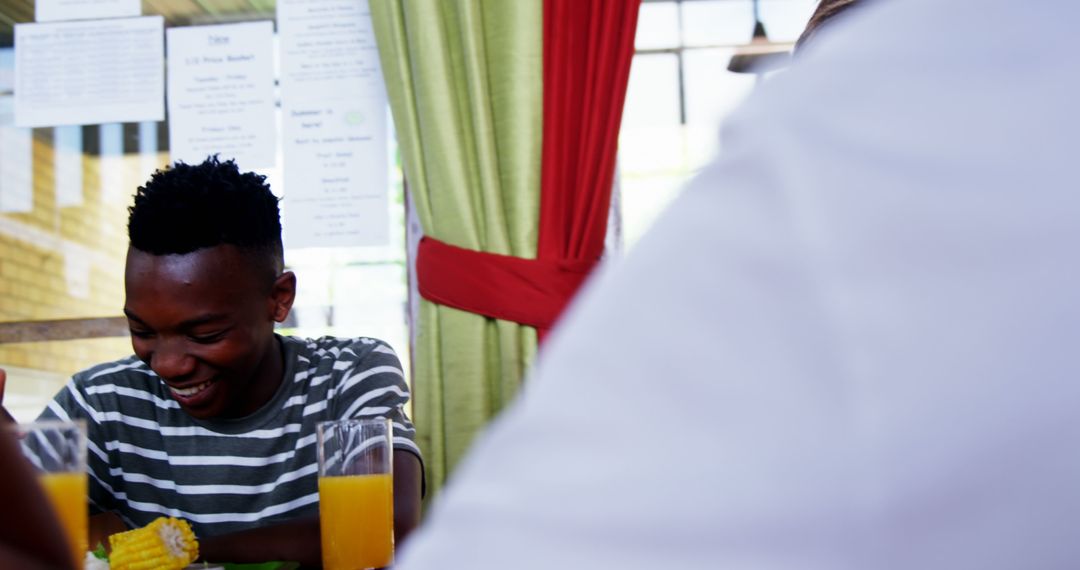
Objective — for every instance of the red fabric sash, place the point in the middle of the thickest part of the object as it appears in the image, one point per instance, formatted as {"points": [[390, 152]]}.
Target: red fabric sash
{"points": [[528, 291]]}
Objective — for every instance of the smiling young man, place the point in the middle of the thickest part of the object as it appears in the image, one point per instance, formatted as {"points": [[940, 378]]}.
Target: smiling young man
{"points": [[213, 418]]}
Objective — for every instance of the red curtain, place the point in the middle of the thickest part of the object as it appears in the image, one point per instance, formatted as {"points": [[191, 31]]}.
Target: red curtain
{"points": [[588, 47]]}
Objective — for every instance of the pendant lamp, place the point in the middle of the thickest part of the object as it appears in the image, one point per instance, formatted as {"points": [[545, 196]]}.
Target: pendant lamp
{"points": [[760, 55]]}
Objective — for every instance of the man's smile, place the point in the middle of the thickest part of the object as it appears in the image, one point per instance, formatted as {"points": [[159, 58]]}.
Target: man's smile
{"points": [[194, 395]]}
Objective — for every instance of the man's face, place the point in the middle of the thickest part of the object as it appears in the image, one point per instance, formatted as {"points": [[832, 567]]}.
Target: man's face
{"points": [[204, 322]]}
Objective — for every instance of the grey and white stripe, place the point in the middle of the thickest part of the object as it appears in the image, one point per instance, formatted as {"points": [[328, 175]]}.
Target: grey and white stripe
{"points": [[148, 458]]}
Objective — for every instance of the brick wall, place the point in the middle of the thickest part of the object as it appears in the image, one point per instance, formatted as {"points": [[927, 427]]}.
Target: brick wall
{"points": [[67, 262]]}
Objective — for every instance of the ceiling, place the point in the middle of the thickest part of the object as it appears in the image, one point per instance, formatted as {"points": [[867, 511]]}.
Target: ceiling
{"points": [[176, 13]]}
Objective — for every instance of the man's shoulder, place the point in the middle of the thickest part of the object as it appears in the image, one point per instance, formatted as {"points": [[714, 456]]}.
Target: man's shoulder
{"points": [[116, 371], [123, 383], [338, 363], [339, 349]]}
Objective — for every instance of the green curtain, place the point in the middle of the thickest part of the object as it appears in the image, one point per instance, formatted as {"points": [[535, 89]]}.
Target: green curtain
{"points": [[464, 78]]}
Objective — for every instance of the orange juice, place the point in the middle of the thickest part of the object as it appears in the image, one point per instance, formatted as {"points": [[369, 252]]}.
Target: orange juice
{"points": [[356, 513], [67, 494]]}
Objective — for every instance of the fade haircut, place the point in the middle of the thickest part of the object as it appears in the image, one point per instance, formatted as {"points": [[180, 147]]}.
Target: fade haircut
{"points": [[185, 208]]}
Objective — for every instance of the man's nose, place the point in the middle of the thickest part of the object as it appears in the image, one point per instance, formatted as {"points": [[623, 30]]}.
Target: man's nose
{"points": [[170, 360]]}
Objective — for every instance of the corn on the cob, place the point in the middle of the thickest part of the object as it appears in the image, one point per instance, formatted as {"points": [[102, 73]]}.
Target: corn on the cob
{"points": [[165, 544]]}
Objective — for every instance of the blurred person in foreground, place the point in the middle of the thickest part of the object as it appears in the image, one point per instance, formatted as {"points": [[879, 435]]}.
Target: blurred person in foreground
{"points": [[849, 344], [30, 535], [825, 14]]}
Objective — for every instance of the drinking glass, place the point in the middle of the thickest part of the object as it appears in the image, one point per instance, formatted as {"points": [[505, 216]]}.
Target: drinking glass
{"points": [[57, 450], [356, 493]]}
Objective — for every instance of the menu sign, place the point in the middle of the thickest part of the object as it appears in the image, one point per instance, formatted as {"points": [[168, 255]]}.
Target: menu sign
{"points": [[334, 125], [221, 93], [90, 72]]}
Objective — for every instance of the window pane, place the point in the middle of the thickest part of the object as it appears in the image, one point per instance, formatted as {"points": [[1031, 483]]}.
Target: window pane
{"points": [[711, 91], [656, 155], [646, 195], [717, 22], [658, 26], [652, 149], [7, 69], [653, 93], [785, 19]]}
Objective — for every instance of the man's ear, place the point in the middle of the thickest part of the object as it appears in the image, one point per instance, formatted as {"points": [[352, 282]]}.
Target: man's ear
{"points": [[282, 295]]}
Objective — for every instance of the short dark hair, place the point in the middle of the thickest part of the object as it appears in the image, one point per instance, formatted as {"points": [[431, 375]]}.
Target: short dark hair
{"points": [[185, 207], [825, 12]]}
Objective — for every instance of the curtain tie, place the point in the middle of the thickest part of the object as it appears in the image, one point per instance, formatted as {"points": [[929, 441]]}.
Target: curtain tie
{"points": [[528, 291]]}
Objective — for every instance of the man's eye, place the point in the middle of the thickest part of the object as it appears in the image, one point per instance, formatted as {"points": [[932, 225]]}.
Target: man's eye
{"points": [[207, 338], [141, 333]]}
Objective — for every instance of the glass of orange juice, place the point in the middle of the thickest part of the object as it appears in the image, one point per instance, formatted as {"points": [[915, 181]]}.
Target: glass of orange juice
{"points": [[356, 493], [57, 451]]}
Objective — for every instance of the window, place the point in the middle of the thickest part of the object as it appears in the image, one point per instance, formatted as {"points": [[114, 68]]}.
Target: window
{"points": [[680, 92]]}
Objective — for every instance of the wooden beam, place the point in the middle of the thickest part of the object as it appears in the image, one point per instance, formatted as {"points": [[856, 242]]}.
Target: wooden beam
{"points": [[63, 329]]}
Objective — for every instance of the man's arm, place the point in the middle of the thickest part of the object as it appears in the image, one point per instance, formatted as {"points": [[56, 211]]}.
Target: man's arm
{"points": [[378, 362], [408, 477], [102, 526], [299, 541], [293, 541]]}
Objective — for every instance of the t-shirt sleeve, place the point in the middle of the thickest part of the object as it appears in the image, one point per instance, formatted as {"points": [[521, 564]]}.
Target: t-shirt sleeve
{"points": [[374, 386], [72, 403]]}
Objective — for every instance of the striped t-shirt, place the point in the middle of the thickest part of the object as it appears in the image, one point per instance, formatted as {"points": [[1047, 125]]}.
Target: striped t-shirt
{"points": [[147, 457]]}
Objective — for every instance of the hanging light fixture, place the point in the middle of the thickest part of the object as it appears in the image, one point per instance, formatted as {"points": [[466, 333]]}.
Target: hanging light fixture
{"points": [[760, 55]]}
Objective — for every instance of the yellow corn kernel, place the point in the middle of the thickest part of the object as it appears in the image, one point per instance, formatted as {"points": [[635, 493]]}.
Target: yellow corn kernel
{"points": [[165, 544]]}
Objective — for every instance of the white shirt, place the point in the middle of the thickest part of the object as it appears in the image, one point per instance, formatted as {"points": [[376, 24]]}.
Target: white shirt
{"points": [[852, 343]]}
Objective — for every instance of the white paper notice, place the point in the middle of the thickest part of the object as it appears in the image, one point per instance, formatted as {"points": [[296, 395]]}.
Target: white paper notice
{"points": [[55, 10], [334, 125], [91, 72], [16, 163], [221, 93]]}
